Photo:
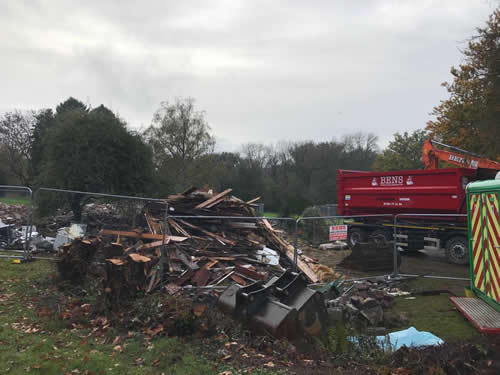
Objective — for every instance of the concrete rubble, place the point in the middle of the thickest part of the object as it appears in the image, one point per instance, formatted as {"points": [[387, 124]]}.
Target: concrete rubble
{"points": [[363, 304]]}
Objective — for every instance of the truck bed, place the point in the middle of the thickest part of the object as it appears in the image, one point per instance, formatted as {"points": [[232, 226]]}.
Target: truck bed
{"points": [[429, 191]]}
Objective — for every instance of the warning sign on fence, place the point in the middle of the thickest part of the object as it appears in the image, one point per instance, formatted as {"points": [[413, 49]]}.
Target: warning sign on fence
{"points": [[338, 232]]}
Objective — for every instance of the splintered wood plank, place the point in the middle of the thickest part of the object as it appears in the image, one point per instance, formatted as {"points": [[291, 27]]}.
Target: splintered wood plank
{"points": [[238, 279], [210, 234], [178, 228], [116, 262], [268, 225], [152, 245], [213, 199], [250, 273], [253, 200], [223, 258], [288, 250], [139, 258], [152, 222], [148, 236]]}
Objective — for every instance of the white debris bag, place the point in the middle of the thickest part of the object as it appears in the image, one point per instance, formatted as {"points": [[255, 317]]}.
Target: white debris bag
{"points": [[268, 256]]}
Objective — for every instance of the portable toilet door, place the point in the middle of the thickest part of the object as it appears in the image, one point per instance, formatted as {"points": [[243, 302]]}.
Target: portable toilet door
{"points": [[484, 239]]}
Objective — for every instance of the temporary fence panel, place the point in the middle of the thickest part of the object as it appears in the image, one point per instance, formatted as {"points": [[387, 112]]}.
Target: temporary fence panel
{"points": [[328, 209], [62, 215], [346, 244], [432, 245], [484, 234]]}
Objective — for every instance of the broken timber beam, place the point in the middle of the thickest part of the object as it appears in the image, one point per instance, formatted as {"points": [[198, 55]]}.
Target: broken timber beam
{"points": [[214, 199], [210, 234], [253, 200], [146, 236], [289, 251]]}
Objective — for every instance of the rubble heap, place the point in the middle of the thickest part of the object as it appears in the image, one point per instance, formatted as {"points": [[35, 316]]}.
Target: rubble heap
{"points": [[94, 215], [199, 252], [15, 214], [363, 304]]}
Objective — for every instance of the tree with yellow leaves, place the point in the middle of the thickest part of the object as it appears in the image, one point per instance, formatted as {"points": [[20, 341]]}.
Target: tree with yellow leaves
{"points": [[470, 118]]}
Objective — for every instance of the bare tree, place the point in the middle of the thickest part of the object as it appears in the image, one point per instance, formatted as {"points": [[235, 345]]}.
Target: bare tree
{"points": [[16, 137]]}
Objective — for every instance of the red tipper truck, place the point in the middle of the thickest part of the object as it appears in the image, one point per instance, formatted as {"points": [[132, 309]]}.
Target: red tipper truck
{"points": [[428, 191]]}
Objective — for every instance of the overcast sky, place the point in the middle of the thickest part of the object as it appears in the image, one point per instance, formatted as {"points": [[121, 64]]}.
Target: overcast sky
{"points": [[263, 71]]}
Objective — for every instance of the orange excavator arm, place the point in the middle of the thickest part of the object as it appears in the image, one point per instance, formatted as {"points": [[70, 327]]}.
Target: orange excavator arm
{"points": [[431, 156]]}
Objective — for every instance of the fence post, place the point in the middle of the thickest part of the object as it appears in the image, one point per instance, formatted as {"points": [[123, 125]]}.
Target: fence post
{"points": [[29, 228], [295, 245], [395, 272], [164, 260]]}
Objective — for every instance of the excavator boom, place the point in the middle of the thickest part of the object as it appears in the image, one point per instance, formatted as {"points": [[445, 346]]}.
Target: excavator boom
{"points": [[431, 155]]}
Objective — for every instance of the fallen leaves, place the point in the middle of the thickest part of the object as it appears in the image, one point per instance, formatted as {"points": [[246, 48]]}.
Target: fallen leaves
{"points": [[45, 312], [153, 332], [25, 327], [269, 364], [6, 297]]}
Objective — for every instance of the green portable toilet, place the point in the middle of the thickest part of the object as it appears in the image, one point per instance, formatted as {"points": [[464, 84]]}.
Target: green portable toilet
{"points": [[484, 240]]}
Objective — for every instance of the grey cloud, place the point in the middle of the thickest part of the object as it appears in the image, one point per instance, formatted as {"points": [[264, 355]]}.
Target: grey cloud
{"points": [[262, 71]]}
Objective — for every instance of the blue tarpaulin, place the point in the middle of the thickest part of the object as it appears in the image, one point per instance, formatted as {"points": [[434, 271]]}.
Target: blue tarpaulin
{"points": [[408, 337]]}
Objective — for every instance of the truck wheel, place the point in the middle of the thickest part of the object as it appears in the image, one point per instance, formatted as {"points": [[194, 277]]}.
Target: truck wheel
{"points": [[457, 250], [380, 235], [354, 236]]}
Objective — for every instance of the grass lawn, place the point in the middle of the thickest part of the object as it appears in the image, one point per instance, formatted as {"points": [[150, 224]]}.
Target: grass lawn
{"points": [[45, 345], [32, 340], [271, 214], [435, 313], [14, 200]]}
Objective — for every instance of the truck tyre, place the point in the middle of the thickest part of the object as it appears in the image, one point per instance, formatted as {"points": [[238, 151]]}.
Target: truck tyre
{"points": [[380, 234], [354, 236], [457, 250]]}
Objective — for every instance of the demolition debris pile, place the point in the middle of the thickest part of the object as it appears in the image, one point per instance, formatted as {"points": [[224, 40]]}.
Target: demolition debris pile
{"points": [[94, 215], [203, 252], [14, 214]]}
